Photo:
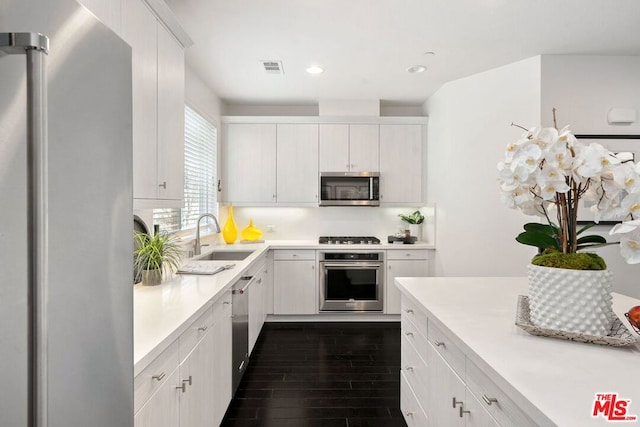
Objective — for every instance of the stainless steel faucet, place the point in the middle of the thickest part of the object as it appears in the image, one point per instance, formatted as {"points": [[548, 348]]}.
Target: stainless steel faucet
{"points": [[197, 246]]}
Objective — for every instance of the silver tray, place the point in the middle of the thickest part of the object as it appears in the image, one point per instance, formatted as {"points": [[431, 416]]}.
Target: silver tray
{"points": [[619, 335]]}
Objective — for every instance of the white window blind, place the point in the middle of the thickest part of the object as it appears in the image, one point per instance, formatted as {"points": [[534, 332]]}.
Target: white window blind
{"points": [[200, 178]]}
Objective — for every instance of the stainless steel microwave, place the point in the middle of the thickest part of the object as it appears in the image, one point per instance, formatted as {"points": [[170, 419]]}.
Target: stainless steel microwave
{"points": [[349, 189]]}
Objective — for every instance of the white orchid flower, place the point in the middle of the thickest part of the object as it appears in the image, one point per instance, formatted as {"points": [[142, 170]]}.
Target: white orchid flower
{"points": [[625, 227], [528, 156], [630, 205], [594, 160], [630, 247], [626, 177]]}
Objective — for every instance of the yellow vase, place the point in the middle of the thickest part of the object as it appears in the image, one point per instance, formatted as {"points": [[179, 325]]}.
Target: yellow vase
{"points": [[230, 229], [251, 233]]}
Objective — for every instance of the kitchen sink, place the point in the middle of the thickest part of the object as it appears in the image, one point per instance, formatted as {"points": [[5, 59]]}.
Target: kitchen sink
{"points": [[225, 256]]}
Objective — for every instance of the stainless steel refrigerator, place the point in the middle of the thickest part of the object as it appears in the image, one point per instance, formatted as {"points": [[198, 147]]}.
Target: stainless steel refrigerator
{"points": [[85, 247]]}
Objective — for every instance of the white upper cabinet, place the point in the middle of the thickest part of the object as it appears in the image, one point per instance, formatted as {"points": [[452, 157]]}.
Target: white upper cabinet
{"points": [[158, 107], [334, 148], [250, 163], [297, 163], [401, 163], [349, 148], [276, 161], [171, 75], [364, 148]]}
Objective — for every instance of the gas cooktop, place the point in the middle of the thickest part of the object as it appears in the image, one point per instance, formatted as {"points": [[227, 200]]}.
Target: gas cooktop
{"points": [[349, 240]]}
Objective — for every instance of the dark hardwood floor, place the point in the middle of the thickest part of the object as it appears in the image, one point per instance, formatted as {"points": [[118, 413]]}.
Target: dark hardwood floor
{"points": [[321, 374]]}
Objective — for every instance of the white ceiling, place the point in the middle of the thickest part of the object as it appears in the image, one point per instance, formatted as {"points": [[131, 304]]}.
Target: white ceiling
{"points": [[366, 45]]}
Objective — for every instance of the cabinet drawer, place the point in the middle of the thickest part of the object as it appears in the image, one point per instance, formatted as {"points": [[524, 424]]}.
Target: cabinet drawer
{"points": [[407, 254], [195, 332], [419, 341], [415, 370], [493, 399], [222, 307], [154, 375], [292, 255], [411, 408], [449, 351], [412, 312]]}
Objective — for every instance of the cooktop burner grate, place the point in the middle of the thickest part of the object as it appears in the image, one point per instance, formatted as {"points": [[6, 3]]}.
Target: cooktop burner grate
{"points": [[349, 240]]}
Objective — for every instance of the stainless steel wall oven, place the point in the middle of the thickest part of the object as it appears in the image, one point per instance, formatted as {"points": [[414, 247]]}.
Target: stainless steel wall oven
{"points": [[351, 281]]}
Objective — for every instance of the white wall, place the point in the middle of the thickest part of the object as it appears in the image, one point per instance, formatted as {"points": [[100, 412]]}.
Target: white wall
{"points": [[469, 128], [583, 89], [270, 110]]}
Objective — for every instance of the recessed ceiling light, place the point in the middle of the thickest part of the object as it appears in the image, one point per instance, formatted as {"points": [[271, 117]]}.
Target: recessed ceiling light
{"points": [[314, 69], [417, 69]]}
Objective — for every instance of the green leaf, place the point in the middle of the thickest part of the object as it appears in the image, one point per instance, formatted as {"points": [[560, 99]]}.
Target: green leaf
{"points": [[585, 228], [550, 230], [537, 239], [593, 238]]}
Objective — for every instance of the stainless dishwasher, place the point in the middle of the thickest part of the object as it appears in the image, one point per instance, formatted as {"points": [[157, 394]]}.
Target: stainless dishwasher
{"points": [[240, 329]]}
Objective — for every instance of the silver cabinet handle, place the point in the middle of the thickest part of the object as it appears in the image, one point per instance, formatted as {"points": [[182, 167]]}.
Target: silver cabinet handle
{"points": [[462, 411], [408, 414], [203, 328], [456, 402], [226, 303], [407, 254], [409, 311], [409, 368], [159, 377], [439, 343], [489, 400], [163, 185], [409, 334], [187, 381], [183, 387]]}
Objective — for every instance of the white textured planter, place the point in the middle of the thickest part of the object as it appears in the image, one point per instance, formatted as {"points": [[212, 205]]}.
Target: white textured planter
{"points": [[571, 300]]}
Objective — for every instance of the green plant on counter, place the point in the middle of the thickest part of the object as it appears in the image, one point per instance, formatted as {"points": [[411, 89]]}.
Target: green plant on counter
{"points": [[160, 252], [546, 238], [414, 218]]}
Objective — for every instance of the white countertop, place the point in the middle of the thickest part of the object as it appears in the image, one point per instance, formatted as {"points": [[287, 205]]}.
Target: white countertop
{"points": [[549, 378], [161, 313]]}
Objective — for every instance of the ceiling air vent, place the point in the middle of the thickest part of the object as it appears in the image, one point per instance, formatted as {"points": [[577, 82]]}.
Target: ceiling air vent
{"points": [[272, 67]]}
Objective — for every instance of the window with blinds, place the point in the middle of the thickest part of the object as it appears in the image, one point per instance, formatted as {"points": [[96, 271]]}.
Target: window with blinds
{"points": [[200, 189]]}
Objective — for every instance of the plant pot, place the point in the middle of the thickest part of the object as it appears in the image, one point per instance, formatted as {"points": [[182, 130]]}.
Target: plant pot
{"points": [[151, 277], [416, 230], [571, 300]]}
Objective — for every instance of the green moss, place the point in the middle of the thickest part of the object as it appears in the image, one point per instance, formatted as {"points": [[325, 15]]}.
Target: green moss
{"points": [[578, 261]]}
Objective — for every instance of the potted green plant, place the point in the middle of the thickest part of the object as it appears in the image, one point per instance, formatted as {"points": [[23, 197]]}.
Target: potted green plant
{"points": [[414, 222], [547, 172], [155, 256]]}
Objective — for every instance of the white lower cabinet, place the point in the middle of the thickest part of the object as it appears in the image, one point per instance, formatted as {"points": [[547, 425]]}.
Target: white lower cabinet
{"points": [[402, 263], [294, 282], [162, 409], [221, 334], [257, 306], [438, 378], [189, 384]]}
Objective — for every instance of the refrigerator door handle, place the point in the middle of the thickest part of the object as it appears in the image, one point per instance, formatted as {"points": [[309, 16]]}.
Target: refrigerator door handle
{"points": [[35, 46]]}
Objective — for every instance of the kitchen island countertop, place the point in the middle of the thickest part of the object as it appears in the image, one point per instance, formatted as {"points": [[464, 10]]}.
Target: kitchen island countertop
{"points": [[555, 381]]}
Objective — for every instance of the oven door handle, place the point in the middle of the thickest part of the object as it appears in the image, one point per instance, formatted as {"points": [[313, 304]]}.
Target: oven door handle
{"points": [[351, 265]]}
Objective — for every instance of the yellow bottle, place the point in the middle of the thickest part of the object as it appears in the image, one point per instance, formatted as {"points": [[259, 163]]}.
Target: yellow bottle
{"points": [[230, 229]]}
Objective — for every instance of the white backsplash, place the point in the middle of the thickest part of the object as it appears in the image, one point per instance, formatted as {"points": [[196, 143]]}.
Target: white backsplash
{"points": [[310, 223]]}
